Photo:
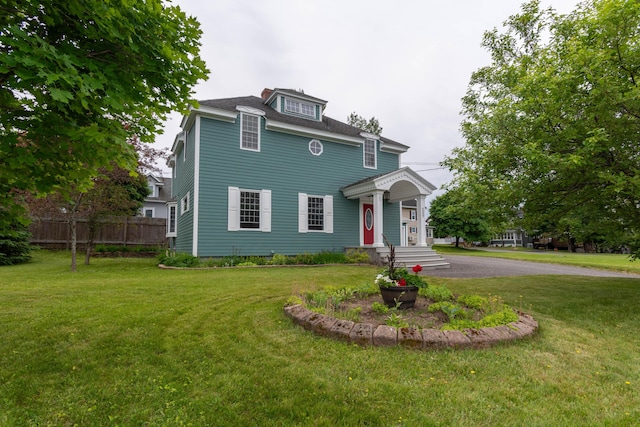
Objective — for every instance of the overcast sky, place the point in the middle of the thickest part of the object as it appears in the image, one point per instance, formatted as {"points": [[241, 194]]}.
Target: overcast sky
{"points": [[406, 62]]}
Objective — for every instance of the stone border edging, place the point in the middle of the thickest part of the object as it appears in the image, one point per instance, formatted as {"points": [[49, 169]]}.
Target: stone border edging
{"points": [[425, 339]]}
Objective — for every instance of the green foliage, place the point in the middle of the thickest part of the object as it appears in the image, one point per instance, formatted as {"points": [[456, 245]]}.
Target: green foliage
{"points": [[437, 293], [179, 260], [14, 243], [80, 79], [279, 259], [396, 320], [371, 126], [357, 256], [455, 214], [551, 125], [379, 307], [473, 301], [123, 248]]}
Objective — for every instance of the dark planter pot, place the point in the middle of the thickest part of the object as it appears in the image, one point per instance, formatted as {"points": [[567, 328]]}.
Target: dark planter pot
{"points": [[405, 294]]}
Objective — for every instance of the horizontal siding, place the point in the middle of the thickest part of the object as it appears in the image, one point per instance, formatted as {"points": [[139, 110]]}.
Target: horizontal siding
{"points": [[286, 167], [183, 184]]}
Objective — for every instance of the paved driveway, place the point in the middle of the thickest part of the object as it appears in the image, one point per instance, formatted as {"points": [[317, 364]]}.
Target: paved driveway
{"points": [[471, 267]]}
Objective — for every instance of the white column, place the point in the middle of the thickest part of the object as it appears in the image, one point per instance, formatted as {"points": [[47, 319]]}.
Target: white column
{"points": [[378, 228], [422, 231]]}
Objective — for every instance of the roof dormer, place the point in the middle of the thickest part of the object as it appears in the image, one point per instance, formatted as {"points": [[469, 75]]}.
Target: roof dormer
{"points": [[294, 103]]}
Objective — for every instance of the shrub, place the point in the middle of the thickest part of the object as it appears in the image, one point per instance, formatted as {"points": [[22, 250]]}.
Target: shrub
{"points": [[279, 259], [14, 244], [357, 256], [179, 260]]}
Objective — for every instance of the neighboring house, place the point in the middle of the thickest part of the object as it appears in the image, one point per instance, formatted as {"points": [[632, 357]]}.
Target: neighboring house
{"points": [[409, 232], [155, 205], [273, 174], [511, 238]]}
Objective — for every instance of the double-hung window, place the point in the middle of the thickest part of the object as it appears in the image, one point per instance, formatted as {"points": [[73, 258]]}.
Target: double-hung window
{"points": [[249, 210], [369, 152], [250, 132], [315, 213]]}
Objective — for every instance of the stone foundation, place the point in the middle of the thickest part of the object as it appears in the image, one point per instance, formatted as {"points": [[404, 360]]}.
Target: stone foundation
{"points": [[425, 339]]}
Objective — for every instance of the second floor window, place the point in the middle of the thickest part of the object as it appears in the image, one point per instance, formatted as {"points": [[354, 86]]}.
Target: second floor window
{"points": [[370, 153], [250, 134]]}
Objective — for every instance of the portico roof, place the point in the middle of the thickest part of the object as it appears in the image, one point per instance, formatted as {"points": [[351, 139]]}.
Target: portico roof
{"points": [[401, 184]]}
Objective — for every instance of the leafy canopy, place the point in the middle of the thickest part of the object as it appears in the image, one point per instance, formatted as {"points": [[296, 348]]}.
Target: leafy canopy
{"points": [[80, 77], [552, 126], [372, 125], [454, 214]]}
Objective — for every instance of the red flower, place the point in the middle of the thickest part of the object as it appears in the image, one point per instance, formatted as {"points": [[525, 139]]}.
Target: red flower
{"points": [[402, 282], [417, 268]]}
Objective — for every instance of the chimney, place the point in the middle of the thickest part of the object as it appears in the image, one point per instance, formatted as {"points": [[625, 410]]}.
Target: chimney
{"points": [[266, 93]]}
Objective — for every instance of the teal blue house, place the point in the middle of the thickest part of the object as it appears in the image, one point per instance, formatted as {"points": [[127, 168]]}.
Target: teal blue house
{"points": [[272, 174]]}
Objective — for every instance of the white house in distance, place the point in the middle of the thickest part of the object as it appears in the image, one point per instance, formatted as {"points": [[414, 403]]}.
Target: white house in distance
{"points": [[155, 205]]}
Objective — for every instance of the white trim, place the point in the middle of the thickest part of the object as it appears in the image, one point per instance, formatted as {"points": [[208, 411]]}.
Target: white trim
{"points": [[250, 110], [196, 186], [144, 212], [367, 135], [317, 143], [209, 112]]}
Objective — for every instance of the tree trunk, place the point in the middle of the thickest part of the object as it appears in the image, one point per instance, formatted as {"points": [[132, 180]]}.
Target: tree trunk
{"points": [[73, 243], [457, 241]]}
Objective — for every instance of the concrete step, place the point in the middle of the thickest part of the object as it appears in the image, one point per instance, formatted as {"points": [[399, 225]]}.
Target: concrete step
{"points": [[408, 256]]}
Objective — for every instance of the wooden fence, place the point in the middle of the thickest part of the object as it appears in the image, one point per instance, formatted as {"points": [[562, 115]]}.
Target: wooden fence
{"points": [[52, 233]]}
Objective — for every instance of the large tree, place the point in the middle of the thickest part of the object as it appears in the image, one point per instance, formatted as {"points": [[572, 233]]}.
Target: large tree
{"points": [[454, 214], [552, 126], [78, 78]]}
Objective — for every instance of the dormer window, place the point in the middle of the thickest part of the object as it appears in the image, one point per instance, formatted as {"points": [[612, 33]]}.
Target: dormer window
{"points": [[299, 107]]}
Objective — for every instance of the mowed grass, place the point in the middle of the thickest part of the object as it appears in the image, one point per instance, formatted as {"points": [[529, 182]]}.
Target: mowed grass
{"points": [[122, 342], [617, 262]]}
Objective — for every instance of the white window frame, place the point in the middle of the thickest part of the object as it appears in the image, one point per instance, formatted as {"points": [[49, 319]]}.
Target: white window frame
{"points": [[301, 108], [412, 215], [243, 117], [185, 203], [303, 213], [367, 150], [172, 222], [233, 210], [153, 212], [314, 144]]}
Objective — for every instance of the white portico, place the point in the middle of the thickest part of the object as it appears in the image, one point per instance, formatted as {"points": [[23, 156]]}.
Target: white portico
{"points": [[395, 187]]}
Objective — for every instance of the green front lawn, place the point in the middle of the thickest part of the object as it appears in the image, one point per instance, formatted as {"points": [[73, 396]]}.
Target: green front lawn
{"points": [[122, 342], [617, 262]]}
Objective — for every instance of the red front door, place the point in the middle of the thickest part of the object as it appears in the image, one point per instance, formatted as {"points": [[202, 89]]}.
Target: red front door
{"points": [[367, 223]]}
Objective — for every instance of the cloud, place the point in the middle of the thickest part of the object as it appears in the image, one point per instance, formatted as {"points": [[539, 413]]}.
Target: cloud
{"points": [[407, 63]]}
